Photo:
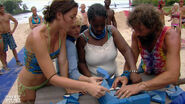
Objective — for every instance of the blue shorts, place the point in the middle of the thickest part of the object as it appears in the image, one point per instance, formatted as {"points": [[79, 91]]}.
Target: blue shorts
{"points": [[8, 40]]}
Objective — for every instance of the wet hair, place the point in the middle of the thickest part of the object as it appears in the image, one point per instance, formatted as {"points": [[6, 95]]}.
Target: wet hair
{"points": [[146, 15], [62, 6], [33, 7], [96, 10]]}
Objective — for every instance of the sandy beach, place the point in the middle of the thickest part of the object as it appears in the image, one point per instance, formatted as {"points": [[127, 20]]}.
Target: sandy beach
{"points": [[23, 30]]}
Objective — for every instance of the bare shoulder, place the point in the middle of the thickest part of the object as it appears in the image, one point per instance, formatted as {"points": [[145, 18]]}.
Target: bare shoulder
{"points": [[113, 29], [172, 39], [37, 35], [8, 15], [82, 40], [171, 33]]}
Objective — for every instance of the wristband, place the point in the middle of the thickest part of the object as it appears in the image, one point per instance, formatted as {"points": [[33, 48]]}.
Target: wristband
{"points": [[126, 73]]}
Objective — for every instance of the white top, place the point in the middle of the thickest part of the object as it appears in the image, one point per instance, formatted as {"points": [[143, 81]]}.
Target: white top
{"points": [[101, 56]]}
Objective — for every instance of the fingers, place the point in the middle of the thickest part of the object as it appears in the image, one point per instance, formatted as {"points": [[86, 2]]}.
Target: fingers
{"points": [[105, 89], [99, 83], [98, 78], [119, 93], [124, 81], [126, 94], [102, 92], [115, 84]]}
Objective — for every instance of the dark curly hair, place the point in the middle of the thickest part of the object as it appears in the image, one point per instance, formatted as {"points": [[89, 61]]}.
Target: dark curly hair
{"points": [[146, 15], [62, 6], [96, 10]]}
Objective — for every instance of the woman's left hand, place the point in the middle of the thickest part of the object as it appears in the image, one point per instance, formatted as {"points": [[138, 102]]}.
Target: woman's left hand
{"points": [[127, 91]]}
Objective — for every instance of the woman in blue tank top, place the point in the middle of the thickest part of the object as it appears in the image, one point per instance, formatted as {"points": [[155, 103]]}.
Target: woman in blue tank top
{"points": [[35, 19]]}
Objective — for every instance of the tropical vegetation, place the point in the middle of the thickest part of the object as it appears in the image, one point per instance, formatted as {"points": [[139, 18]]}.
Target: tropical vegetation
{"points": [[14, 6]]}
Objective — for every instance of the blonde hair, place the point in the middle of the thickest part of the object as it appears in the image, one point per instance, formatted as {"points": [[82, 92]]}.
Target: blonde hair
{"points": [[175, 4], [78, 20]]}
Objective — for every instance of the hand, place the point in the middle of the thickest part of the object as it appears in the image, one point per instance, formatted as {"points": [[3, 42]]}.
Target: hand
{"points": [[127, 91], [95, 80], [135, 78], [123, 80], [11, 32], [96, 90]]}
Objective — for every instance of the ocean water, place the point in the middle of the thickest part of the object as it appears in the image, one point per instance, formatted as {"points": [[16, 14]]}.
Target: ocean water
{"points": [[116, 5]]}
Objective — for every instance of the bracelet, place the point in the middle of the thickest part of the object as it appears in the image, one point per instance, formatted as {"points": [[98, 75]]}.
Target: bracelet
{"points": [[133, 71], [52, 76], [126, 73]]}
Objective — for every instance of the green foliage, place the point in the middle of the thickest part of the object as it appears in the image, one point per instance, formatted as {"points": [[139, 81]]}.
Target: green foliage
{"points": [[14, 6], [167, 8], [154, 2]]}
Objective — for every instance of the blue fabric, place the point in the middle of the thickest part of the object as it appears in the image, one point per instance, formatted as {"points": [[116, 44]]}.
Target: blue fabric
{"points": [[102, 73], [158, 96], [98, 37], [110, 98], [126, 73], [72, 57], [174, 92], [180, 99], [8, 78], [8, 40], [31, 62]]}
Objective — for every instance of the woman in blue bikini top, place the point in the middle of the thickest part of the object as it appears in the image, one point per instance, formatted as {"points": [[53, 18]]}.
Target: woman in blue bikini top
{"points": [[35, 19], [46, 42]]}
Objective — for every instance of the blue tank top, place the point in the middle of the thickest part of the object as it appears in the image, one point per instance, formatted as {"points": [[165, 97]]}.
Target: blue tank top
{"points": [[35, 18]]}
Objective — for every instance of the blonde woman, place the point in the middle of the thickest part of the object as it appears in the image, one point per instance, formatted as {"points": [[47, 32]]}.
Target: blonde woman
{"points": [[35, 19], [176, 17]]}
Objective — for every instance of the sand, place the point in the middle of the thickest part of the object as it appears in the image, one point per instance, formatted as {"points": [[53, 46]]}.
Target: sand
{"points": [[23, 30]]}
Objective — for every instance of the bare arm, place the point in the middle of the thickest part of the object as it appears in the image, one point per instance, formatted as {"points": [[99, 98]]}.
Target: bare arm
{"points": [[114, 20], [62, 58], [135, 49], [171, 75], [41, 19], [30, 23], [15, 23], [48, 70], [124, 48], [81, 56]]}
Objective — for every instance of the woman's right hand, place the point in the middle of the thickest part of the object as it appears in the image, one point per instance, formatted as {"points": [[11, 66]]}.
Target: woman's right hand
{"points": [[96, 90]]}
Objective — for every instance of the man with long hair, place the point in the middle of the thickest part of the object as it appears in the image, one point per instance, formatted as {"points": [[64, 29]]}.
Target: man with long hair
{"points": [[159, 47]]}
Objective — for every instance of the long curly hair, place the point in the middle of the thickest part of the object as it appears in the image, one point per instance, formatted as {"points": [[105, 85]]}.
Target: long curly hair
{"points": [[146, 15]]}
